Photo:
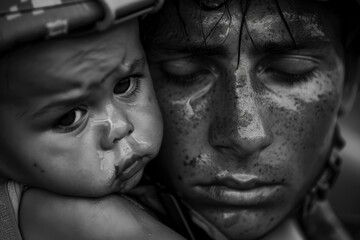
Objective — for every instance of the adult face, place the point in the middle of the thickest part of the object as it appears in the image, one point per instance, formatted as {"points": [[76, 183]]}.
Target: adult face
{"points": [[79, 115], [248, 123]]}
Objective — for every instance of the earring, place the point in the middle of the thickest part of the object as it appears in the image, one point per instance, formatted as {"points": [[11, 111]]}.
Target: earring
{"points": [[328, 177]]}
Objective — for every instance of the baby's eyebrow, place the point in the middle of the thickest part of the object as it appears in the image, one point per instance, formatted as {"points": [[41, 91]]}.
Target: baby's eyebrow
{"points": [[61, 105], [138, 63], [67, 102]]}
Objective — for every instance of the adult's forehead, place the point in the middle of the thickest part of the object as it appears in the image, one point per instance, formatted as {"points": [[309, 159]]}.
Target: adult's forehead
{"points": [[263, 18]]}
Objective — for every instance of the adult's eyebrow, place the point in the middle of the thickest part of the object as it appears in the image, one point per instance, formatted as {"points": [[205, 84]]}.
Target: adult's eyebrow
{"points": [[265, 47], [194, 49], [286, 46]]}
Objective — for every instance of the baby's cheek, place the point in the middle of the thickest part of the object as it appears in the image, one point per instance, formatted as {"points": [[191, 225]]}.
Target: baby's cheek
{"points": [[148, 126]]}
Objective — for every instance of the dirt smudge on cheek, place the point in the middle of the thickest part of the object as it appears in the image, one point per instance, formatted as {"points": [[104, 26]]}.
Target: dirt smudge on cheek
{"points": [[183, 132], [201, 159], [35, 165], [301, 132], [200, 164]]}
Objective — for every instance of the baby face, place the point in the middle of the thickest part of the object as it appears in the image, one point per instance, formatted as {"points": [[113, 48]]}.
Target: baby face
{"points": [[78, 115]]}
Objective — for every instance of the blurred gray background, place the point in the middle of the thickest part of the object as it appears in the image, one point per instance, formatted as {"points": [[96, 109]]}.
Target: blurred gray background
{"points": [[345, 196]]}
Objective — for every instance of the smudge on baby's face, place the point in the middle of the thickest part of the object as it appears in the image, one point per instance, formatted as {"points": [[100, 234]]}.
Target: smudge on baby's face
{"points": [[81, 116], [248, 123]]}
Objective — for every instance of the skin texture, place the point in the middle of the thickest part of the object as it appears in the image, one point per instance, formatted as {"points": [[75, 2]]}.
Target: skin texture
{"points": [[246, 132], [78, 113]]}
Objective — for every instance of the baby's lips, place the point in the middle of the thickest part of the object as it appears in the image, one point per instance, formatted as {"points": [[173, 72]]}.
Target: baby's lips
{"points": [[130, 174], [130, 168], [134, 157]]}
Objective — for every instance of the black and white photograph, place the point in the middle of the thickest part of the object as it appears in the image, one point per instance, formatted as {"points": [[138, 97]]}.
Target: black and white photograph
{"points": [[179, 120]]}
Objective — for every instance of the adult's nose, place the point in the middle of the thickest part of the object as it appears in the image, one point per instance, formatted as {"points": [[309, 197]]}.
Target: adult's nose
{"points": [[118, 126], [239, 123]]}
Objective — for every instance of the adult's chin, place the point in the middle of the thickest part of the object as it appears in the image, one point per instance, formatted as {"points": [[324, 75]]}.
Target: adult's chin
{"points": [[235, 223]]}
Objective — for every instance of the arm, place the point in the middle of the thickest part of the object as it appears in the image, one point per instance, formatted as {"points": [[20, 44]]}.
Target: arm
{"points": [[45, 215]]}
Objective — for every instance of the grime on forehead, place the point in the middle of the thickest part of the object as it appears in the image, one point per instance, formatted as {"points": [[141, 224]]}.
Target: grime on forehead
{"points": [[215, 26]]}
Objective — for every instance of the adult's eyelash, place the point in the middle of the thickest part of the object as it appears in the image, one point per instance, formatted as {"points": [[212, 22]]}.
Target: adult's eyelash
{"points": [[183, 80], [290, 80]]}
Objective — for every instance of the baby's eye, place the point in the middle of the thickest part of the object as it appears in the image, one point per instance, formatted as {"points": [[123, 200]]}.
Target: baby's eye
{"points": [[127, 86], [71, 121]]}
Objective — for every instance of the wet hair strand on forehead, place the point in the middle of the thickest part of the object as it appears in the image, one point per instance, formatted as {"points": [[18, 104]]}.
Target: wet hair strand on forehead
{"points": [[278, 7], [212, 5], [348, 12]]}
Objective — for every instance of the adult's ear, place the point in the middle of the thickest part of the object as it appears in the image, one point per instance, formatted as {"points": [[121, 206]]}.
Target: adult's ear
{"points": [[351, 84], [350, 35], [352, 69]]}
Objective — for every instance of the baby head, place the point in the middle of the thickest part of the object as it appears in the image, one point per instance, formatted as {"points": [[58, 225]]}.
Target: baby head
{"points": [[78, 114]]}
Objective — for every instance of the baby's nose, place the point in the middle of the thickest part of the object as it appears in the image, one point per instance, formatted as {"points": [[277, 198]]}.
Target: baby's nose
{"points": [[117, 131], [118, 126]]}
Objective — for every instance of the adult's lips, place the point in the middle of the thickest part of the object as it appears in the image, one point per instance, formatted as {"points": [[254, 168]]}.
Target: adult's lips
{"points": [[238, 190], [241, 181]]}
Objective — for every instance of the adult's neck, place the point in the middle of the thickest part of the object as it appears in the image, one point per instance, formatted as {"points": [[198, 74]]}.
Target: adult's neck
{"points": [[289, 229]]}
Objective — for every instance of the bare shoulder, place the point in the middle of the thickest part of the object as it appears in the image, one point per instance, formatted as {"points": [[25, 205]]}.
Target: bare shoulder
{"points": [[46, 215]]}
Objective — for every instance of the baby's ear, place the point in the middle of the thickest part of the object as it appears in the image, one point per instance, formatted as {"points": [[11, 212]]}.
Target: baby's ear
{"points": [[352, 80]]}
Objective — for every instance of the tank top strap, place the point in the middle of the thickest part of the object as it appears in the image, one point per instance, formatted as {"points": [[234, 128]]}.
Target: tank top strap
{"points": [[9, 229]]}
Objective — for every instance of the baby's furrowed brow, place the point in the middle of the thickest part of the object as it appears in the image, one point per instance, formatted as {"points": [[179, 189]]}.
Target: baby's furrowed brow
{"points": [[137, 64], [60, 105], [127, 68]]}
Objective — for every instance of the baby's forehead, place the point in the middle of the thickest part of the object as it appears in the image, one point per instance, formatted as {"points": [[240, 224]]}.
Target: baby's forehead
{"points": [[55, 66]]}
